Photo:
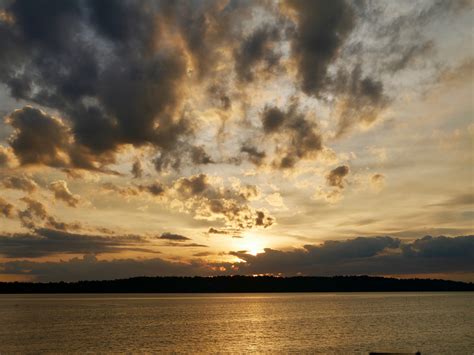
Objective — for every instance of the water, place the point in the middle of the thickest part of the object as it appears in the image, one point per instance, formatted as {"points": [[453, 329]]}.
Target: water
{"points": [[433, 323]]}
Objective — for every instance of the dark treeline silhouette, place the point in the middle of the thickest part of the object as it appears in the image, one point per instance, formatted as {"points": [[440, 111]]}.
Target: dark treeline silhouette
{"points": [[238, 284]]}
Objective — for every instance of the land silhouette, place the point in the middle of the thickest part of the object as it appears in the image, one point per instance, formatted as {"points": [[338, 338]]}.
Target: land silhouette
{"points": [[230, 284]]}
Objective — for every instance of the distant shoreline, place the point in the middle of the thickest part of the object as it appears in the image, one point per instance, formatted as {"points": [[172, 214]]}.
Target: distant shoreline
{"points": [[239, 284]]}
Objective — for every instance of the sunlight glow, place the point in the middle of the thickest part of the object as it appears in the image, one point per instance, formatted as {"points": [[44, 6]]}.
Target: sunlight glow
{"points": [[252, 244]]}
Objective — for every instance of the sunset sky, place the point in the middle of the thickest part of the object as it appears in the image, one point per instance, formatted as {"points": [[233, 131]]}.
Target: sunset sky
{"points": [[236, 137]]}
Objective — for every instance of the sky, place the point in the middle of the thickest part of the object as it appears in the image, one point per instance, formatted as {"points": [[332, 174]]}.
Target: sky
{"points": [[236, 137]]}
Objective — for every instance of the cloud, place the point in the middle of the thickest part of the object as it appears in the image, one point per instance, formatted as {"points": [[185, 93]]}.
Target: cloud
{"points": [[400, 40], [256, 49], [35, 216], [213, 230], [409, 55], [255, 156], [186, 245], [377, 181], [458, 74], [101, 68], [174, 237], [231, 204], [203, 253], [366, 255], [200, 157], [199, 196], [331, 196], [155, 188], [7, 157], [206, 28], [358, 256], [234, 232], [360, 99], [34, 210], [335, 177], [42, 139], [321, 29], [441, 247], [263, 220], [89, 267], [465, 199], [22, 183], [6, 209], [272, 119], [39, 138], [61, 192], [336, 183], [297, 136], [44, 242], [137, 169]]}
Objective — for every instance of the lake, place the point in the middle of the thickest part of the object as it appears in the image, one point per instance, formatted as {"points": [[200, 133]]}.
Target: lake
{"points": [[433, 323]]}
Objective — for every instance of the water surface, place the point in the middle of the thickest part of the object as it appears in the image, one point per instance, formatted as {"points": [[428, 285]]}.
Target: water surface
{"points": [[433, 323]]}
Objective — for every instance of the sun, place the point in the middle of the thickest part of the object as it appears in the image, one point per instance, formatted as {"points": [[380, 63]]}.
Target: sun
{"points": [[252, 244]]}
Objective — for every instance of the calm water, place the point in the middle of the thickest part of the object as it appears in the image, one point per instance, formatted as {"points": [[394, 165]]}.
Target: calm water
{"points": [[434, 323]]}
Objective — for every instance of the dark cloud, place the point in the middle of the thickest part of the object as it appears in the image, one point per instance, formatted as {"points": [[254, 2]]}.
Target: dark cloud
{"points": [[360, 99], [99, 65], [165, 161], [256, 49], [42, 139], [199, 156], [441, 247], [297, 135], [6, 209], [213, 230], [219, 97], [116, 21], [155, 189], [35, 216], [137, 169], [256, 156], [366, 255], [194, 185], [235, 232], [336, 176], [89, 267], [174, 237], [359, 256], [23, 183], [39, 138], [203, 253], [34, 210], [206, 27], [321, 29], [263, 220], [62, 192], [272, 119], [119, 74], [186, 245], [44, 242]]}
